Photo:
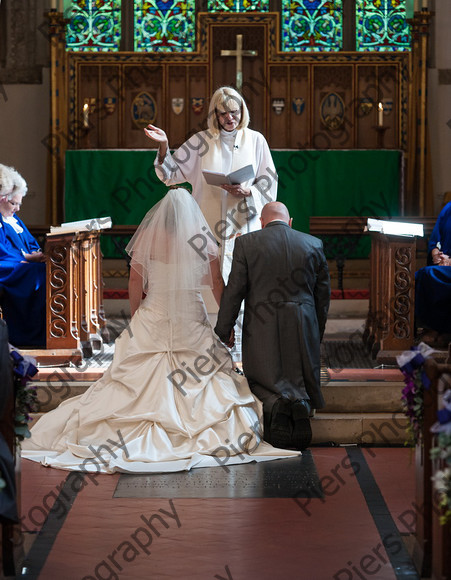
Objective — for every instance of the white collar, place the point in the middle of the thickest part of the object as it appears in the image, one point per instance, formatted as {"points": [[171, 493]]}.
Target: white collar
{"points": [[12, 221], [228, 135]]}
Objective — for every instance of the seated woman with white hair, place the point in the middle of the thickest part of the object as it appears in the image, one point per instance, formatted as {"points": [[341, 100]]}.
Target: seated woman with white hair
{"points": [[22, 268]]}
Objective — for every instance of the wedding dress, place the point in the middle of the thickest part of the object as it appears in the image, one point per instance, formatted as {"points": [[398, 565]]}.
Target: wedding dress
{"points": [[169, 401]]}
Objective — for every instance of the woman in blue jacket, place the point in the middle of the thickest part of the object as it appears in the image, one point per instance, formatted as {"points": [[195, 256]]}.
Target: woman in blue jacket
{"points": [[22, 267], [433, 283]]}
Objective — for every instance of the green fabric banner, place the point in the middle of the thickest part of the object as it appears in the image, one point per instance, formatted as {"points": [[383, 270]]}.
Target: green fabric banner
{"points": [[122, 184]]}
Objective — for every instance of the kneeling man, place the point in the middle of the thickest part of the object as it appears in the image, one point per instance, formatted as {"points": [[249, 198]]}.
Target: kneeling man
{"points": [[283, 277]]}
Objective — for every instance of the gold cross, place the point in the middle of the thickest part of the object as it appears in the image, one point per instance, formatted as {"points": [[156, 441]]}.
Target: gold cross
{"points": [[239, 53]]}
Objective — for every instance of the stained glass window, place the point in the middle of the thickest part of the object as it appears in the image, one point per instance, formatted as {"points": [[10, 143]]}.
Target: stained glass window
{"points": [[381, 25], [314, 25], [94, 25], [165, 25], [238, 5]]}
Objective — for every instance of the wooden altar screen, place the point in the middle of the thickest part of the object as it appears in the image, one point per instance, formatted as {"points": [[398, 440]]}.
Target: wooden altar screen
{"points": [[319, 101], [75, 314], [322, 100], [390, 321]]}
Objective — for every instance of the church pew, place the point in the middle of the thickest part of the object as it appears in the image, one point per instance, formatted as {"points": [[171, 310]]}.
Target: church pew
{"points": [[9, 532], [436, 538]]}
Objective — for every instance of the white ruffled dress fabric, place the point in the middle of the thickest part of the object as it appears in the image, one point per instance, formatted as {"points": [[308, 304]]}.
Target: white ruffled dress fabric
{"points": [[162, 406]]}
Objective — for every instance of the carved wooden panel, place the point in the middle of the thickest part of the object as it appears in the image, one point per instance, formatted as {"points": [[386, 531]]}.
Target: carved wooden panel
{"points": [[333, 111], [329, 99], [279, 101], [387, 80], [177, 105], [143, 102], [89, 94], [62, 311], [74, 290], [366, 106], [109, 107], [301, 106], [402, 305], [390, 322], [197, 99]]}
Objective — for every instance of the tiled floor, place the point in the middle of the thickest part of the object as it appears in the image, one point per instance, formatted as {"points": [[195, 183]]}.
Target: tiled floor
{"points": [[355, 530]]}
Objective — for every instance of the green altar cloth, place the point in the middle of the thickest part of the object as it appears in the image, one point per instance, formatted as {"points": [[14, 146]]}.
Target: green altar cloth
{"points": [[122, 184]]}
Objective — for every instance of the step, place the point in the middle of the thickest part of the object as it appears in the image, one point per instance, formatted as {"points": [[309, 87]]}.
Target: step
{"points": [[367, 429], [340, 397], [362, 396], [361, 429]]}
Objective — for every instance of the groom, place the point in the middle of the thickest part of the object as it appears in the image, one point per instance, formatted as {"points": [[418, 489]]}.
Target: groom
{"points": [[283, 277]]}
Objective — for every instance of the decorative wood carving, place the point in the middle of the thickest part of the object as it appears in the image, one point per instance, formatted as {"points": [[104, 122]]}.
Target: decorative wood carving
{"points": [[265, 77], [75, 313], [390, 321]]}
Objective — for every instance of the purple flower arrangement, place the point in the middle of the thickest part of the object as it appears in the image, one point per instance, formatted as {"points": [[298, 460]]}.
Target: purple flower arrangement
{"points": [[24, 368], [411, 365]]}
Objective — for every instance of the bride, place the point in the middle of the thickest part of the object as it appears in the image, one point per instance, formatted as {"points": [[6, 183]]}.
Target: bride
{"points": [[170, 400]]}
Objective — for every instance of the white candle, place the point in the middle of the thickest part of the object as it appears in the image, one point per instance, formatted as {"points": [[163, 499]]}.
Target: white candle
{"points": [[60, 6], [424, 4], [86, 116], [380, 115], [416, 6], [53, 5]]}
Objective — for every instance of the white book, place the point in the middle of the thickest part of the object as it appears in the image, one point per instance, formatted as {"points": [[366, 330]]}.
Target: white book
{"points": [[235, 178], [395, 228], [86, 225]]}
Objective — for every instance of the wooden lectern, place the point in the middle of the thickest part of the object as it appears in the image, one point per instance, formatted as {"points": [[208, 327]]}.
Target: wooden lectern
{"points": [[75, 314], [390, 322]]}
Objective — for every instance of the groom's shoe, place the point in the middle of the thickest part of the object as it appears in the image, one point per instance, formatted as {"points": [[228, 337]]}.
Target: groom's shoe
{"points": [[302, 430], [281, 427]]}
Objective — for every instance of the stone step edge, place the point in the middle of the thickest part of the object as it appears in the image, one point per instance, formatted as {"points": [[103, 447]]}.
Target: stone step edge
{"points": [[329, 385], [324, 416], [339, 429]]}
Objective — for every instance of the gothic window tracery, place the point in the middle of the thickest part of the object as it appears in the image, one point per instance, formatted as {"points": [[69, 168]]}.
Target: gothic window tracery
{"points": [[306, 25]]}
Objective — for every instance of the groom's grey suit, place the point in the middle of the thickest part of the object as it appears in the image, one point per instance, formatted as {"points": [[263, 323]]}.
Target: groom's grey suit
{"points": [[283, 277]]}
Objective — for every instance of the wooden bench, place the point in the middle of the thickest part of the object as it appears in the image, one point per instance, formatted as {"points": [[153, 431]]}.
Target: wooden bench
{"points": [[10, 532], [433, 541]]}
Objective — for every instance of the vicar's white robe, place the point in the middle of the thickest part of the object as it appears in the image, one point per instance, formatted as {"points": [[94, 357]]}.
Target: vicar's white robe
{"points": [[227, 215]]}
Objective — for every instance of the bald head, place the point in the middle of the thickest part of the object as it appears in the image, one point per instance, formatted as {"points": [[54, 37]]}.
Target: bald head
{"points": [[275, 210]]}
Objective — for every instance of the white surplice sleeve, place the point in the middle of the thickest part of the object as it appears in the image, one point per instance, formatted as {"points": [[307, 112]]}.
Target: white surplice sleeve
{"points": [[184, 164]]}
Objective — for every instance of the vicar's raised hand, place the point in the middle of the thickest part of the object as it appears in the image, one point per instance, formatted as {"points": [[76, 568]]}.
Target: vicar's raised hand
{"points": [[156, 134]]}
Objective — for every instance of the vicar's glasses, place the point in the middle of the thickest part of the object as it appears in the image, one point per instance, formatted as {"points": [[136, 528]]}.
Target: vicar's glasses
{"points": [[15, 204], [225, 114]]}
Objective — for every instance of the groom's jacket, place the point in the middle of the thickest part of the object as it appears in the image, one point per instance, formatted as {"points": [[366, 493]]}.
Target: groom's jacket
{"points": [[283, 277]]}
